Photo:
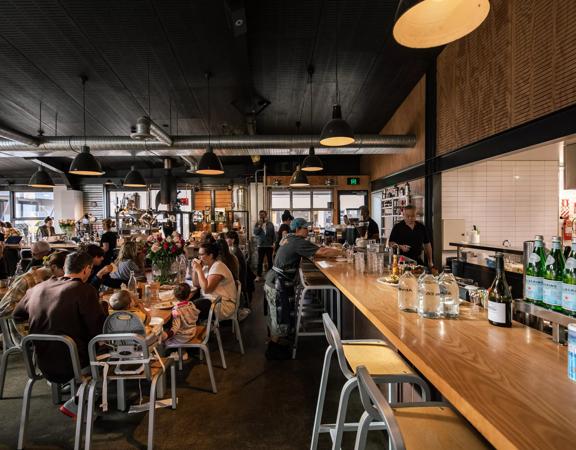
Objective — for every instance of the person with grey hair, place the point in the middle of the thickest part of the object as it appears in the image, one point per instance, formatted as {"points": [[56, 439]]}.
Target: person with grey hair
{"points": [[39, 249]]}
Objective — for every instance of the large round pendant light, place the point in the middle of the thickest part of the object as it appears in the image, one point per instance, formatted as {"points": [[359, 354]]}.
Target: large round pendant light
{"points": [[41, 179], [134, 179], [299, 179], [431, 23], [85, 163], [209, 164], [312, 163]]}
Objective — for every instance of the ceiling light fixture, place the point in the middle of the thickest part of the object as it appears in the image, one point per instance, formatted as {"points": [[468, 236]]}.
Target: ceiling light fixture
{"points": [[299, 178], [209, 164], [41, 179], [84, 163], [311, 163], [134, 179], [431, 23], [337, 132]]}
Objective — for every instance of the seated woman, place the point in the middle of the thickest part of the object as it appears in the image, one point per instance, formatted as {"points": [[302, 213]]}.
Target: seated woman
{"points": [[214, 279], [228, 258], [130, 259]]}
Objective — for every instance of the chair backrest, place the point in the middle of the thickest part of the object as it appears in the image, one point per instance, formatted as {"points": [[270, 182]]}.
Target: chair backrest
{"points": [[123, 322], [377, 407], [238, 297], [212, 320], [334, 340], [10, 335], [27, 347]]}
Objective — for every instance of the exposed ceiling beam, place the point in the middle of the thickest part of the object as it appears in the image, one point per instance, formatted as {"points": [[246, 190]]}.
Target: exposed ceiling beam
{"points": [[16, 136]]}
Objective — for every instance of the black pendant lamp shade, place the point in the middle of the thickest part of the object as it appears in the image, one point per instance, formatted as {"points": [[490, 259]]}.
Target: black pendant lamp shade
{"points": [[299, 178], [134, 179], [85, 164], [337, 132], [431, 23], [210, 164], [41, 179], [312, 163]]}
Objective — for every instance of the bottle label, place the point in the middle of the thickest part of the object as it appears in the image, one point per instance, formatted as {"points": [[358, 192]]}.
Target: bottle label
{"points": [[534, 258], [569, 296], [552, 292], [550, 260], [533, 287], [497, 312], [570, 264]]}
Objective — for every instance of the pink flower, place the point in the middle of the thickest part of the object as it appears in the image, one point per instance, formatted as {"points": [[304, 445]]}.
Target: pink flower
{"points": [[155, 248]]}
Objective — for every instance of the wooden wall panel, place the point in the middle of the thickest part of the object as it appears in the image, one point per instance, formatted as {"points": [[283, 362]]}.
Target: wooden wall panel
{"points": [[517, 66], [224, 199], [408, 118], [202, 200]]}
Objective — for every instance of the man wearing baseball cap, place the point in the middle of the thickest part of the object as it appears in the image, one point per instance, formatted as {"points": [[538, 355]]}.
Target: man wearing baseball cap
{"points": [[279, 286]]}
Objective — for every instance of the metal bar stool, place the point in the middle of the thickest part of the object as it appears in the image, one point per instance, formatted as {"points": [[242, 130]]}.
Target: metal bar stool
{"points": [[429, 425], [384, 365], [315, 281]]}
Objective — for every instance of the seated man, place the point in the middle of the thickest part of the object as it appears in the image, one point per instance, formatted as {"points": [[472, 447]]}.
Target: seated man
{"points": [[69, 306], [100, 273], [40, 249]]}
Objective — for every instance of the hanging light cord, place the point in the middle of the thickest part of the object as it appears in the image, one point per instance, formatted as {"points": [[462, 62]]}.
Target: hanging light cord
{"points": [[84, 106], [337, 88], [56, 124], [209, 107], [310, 72], [148, 82], [40, 132]]}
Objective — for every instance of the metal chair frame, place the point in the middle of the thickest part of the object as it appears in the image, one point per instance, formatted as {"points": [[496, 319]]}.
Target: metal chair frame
{"points": [[337, 429], [12, 346], [234, 318], [212, 325], [33, 376]]}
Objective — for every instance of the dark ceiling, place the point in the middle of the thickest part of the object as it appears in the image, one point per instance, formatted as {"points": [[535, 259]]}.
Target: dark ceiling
{"points": [[46, 44]]}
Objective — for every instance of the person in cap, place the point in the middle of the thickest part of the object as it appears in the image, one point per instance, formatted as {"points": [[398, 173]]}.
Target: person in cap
{"points": [[280, 281], [40, 249]]}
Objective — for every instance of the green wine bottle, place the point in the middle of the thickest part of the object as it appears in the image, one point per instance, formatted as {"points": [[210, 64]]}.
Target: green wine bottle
{"points": [[569, 284], [535, 271], [499, 297], [553, 276]]}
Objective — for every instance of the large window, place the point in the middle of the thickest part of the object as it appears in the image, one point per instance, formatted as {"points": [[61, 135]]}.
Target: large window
{"points": [[314, 206], [30, 209]]}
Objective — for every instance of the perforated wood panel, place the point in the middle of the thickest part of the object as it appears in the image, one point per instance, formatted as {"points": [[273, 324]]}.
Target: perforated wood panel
{"points": [[518, 66]]}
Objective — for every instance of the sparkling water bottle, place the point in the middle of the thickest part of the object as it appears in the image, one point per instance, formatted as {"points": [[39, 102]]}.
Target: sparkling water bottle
{"points": [[429, 299], [408, 292]]}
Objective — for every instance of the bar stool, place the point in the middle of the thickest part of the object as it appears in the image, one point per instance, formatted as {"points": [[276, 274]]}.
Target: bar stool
{"points": [[429, 425], [384, 365], [315, 281]]}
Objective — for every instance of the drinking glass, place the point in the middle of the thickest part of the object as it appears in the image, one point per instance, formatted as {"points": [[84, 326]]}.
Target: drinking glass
{"points": [[349, 255], [360, 262]]}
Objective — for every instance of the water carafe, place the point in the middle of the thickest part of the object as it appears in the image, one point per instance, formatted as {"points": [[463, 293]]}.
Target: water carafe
{"points": [[449, 293], [429, 299], [408, 292]]}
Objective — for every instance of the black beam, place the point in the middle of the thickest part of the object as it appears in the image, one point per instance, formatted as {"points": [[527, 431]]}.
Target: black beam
{"points": [[401, 177]]}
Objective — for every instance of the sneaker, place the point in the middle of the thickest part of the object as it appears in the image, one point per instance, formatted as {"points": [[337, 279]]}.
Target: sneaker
{"points": [[70, 408], [176, 357], [243, 313]]}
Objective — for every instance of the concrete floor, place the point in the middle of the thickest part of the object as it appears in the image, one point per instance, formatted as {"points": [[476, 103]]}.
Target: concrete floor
{"points": [[261, 404]]}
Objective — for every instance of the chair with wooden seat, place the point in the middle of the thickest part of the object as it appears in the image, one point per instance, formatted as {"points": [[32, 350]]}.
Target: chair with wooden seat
{"points": [[429, 425], [384, 365]]}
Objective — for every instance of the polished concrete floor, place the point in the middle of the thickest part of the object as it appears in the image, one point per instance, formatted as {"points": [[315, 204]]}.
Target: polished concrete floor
{"points": [[261, 404]]}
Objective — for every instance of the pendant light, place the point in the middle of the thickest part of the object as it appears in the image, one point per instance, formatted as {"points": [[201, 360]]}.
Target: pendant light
{"points": [[41, 179], [299, 178], [84, 163], [431, 23], [337, 132], [209, 164], [311, 163], [134, 178]]}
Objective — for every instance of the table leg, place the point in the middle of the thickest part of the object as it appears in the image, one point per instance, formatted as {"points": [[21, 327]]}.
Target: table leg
{"points": [[121, 395]]}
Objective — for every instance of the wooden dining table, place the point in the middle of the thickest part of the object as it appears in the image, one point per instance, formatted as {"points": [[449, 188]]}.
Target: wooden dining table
{"points": [[511, 384]]}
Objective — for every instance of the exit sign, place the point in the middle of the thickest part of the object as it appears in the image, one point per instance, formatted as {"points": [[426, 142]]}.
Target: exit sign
{"points": [[353, 181]]}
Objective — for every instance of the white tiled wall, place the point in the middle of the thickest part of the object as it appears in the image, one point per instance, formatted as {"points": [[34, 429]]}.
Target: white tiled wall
{"points": [[511, 200]]}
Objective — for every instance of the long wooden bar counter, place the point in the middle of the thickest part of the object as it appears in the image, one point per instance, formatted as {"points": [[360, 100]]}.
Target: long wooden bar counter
{"points": [[511, 384]]}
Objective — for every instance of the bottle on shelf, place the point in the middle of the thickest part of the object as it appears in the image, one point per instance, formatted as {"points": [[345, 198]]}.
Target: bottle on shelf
{"points": [[132, 284], [429, 299], [569, 282], [408, 292], [449, 293], [553, 276], [535, 271], [499, 297]]}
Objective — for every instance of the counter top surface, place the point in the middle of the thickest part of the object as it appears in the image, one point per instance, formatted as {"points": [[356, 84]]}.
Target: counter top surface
{"points": [[511, 384]]}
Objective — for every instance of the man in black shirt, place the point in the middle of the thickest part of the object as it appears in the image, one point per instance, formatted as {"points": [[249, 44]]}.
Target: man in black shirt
{"points": [[412, 236], [373, 232]]}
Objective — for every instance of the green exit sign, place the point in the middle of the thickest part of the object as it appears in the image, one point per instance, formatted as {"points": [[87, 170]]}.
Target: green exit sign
{"points": [[353, 181]]}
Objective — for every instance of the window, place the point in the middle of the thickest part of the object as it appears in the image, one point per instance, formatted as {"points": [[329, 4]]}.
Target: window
{"points": [[314, 206], [5, 206], [30, 209], [120, 199]]}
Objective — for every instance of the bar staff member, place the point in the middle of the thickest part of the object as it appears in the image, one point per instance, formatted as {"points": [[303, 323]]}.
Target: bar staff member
{"points": [[412, 237], [370, 230]]}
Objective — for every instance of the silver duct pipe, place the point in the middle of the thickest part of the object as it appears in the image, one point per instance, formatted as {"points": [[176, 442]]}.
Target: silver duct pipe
{"points": [[160, 134], [16, 136], [196, 145], [147, 129], [192, 163]]}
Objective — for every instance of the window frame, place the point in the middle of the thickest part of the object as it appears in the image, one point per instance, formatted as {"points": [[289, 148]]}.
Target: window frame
{"points": [[292, 208]]}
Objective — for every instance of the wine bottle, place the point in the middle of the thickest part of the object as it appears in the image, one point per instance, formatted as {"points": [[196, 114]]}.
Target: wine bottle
{"points": [[553, 276], [569, 282], [535, 271], [499, 297]]}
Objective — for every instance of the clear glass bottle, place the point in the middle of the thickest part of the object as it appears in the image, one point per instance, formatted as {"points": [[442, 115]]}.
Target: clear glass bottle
{"points": [[429, 300], [569, 282], [408, 292], [553, 276], [535, 271], [133, 284], [499, 297], [449, 293]]}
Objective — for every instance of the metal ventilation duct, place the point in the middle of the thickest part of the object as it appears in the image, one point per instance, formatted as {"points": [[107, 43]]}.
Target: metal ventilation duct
{"points": [[147, 130], [168, 193]]}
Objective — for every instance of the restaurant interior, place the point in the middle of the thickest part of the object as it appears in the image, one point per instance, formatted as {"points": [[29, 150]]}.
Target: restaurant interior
{"points": [[345, 224]]}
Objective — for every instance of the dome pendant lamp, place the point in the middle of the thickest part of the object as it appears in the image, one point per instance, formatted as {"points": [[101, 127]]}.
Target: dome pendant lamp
{"points": [[431, 23], [337, 132], [311, 163], [134, 178], [85, 163], [41, 179], [299, 179], [209, 164]]}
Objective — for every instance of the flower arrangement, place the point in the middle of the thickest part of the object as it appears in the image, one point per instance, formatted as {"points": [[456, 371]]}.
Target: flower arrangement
{"points": [[67, 223], [163, 252]]}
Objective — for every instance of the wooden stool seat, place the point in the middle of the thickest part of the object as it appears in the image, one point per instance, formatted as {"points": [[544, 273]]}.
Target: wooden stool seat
{"points": [[378, 358]]}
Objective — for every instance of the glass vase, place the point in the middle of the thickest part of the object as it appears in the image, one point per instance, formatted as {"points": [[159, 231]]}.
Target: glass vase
{"points": [[165, 270]]}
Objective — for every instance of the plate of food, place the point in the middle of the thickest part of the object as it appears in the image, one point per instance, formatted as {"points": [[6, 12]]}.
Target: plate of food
{"points": [[340, 259], [390, 280], [163, 305]]}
